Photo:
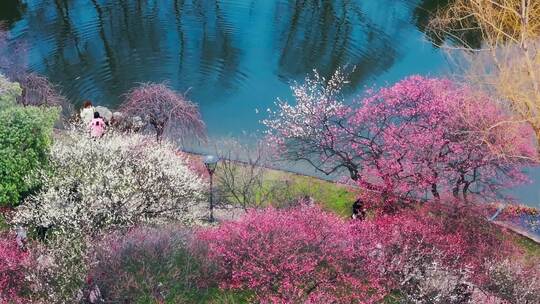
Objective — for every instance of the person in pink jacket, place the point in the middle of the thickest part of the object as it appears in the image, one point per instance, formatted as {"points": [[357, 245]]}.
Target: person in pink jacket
{"points": [[97, 126]]}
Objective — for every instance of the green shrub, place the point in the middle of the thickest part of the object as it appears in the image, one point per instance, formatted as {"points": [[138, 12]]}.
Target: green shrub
{"points": [[9, 92], [25, 138]]}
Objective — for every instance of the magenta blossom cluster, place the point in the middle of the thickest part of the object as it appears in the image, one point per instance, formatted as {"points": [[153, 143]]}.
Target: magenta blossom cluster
{"points": [[422, 137], [302, 255], [305, 255], [12, 265]]}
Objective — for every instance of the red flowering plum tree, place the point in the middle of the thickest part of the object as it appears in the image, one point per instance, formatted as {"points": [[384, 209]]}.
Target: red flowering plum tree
{"points": [[300, 255], [420, 136], [415, 257], [304, 255], [163, 109], [12, 264]]}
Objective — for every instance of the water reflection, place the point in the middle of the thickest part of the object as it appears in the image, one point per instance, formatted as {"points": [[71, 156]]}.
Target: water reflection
{"points": [[235, 55], [333, 34], [11, 11]]}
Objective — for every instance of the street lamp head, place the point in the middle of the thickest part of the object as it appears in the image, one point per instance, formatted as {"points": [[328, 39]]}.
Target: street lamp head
{"points": [[210, 162]]}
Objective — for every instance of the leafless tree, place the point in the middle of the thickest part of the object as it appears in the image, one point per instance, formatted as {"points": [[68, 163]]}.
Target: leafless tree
{"points": [[507, 59], [37, 90], [241, 174], [164, 110]]}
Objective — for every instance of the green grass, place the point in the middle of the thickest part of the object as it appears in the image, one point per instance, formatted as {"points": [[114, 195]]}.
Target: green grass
{"points": [[3, 224], [280, 188], [210, 296], [393, 297], [530, 247], [331, 196]]}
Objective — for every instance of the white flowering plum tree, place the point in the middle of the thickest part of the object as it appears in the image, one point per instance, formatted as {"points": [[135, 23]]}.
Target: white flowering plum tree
{"points": [[114, 182]]}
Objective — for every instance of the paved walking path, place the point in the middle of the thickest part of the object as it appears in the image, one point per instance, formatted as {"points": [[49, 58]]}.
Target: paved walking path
{"points": [[519, 230]]}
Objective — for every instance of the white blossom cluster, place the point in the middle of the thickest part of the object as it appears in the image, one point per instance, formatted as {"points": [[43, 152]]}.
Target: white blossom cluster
{"points": [[512, 282], [436, 283], [57, 271], [113, 182], [318, 100]]}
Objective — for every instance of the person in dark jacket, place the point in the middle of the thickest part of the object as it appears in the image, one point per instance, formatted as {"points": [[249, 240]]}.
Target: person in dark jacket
{"points": [[358, 210]]}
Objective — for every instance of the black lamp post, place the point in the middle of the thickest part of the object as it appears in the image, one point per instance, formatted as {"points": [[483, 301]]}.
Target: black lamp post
{"points": [[210, 162]]}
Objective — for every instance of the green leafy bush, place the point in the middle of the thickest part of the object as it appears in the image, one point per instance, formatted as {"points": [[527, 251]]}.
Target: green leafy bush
{"points": [[25, 138], [9, 91]]}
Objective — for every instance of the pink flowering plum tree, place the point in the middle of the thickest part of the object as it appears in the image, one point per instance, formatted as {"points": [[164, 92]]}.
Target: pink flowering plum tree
{"points": [[435, 135], [419, 137], [163, 110], [411, 255], [433, 254], [12, 264], [316, 128], [300, 255]]}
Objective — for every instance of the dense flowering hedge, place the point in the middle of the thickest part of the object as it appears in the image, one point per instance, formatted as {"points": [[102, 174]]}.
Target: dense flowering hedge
{"points": [[13, 263], [301, 255], [414, 256], [57, 267], [428, 254], [304, 255], [156, 262], [512, 280], [432, 254], [117, 181]]}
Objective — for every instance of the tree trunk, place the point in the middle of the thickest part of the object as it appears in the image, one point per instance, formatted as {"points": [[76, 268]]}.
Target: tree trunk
{"points": [[435, 192], [455, 191], [354, 173], [159, 132], [466, 191]]}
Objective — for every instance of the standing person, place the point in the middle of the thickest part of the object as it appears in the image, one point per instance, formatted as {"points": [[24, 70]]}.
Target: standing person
{"points": [[97, 126], [358, 210], [87, 112]]}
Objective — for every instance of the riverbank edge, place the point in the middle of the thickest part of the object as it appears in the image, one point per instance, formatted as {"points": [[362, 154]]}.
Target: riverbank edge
{"points": [[503, 224]]}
